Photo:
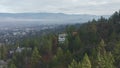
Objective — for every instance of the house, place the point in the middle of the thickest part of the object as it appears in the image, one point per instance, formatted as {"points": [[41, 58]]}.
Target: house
{"points": [[62, 38]]}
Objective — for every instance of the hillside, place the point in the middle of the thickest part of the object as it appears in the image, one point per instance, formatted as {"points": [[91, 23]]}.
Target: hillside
{"points": [[95, 44]]}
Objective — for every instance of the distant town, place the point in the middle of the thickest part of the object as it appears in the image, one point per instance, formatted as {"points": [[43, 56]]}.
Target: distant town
{"points": [[8, 35]]}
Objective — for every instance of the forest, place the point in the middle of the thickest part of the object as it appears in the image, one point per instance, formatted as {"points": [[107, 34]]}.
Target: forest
{"points": [[94, 44]]}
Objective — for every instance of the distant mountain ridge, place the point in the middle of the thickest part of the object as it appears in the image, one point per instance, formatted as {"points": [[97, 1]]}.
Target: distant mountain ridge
{"points": [[47, 17]]}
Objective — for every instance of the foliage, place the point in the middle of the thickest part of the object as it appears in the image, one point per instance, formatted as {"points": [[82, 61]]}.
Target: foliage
{"points": [[96, 44]]}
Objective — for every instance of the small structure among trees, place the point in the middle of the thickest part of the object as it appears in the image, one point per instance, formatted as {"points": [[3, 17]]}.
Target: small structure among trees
{"points": [[62, 37]]}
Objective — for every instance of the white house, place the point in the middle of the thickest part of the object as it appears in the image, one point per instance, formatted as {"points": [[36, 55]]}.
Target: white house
{"points": [[62, 37]]}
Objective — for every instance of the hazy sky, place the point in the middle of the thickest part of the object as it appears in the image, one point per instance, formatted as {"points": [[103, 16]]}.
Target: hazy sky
{"points": [[97, 7]]}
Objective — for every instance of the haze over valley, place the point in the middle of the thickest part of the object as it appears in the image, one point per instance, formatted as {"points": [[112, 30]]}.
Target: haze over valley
{"points": [[29, 19]]}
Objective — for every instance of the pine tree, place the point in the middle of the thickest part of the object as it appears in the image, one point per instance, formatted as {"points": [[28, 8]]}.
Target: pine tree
{"points": [[77, 44], [3, 51], [101, 52], [104, 59], [12, 65], [46, 46], [117, 54], [35, 59], [99, 62], [54, 62], [86, 62], [109, 60], [115, 17], [0, 53], [74, 64], [60, 57], [68, 57], [59, 52], [101, 47]]}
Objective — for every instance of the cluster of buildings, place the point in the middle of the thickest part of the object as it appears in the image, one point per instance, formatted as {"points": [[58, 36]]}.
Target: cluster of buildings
{"points": [[9, 35]]}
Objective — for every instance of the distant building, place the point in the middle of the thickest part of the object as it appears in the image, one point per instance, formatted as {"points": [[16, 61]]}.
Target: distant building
{"points": [[19, 50], [22, 48], [62, 37]]}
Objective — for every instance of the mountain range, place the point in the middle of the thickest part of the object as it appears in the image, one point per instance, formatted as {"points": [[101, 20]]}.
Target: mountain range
{"points": [[45, 18]]}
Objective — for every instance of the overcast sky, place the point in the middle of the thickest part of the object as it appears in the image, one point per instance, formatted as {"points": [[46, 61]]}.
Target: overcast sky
{"points": [[96, 7]]}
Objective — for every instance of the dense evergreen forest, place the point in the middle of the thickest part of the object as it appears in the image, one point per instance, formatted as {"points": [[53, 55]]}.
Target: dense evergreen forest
{"points": [[95, 44]]}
